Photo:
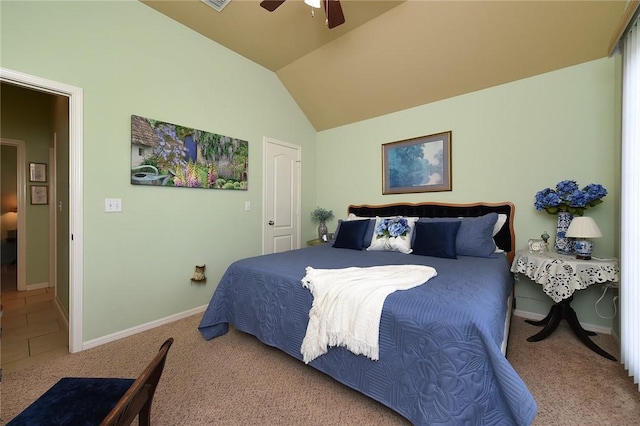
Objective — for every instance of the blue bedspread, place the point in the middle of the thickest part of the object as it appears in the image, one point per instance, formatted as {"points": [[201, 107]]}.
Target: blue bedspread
{"points": [[440, 359]]}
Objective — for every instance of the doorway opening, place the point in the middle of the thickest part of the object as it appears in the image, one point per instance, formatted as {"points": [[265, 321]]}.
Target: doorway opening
{"points": [[74, 234], [11, 223]]}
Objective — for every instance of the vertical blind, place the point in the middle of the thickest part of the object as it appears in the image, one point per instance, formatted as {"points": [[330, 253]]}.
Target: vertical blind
{"points": [[630, 205]]}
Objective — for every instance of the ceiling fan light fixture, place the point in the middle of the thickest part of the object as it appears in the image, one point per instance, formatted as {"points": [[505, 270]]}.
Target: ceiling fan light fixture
{"points": [[313, 3], [218, 5]]}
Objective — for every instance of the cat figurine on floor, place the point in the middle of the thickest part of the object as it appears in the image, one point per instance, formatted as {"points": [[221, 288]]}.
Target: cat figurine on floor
{"points": [[198, 275]]}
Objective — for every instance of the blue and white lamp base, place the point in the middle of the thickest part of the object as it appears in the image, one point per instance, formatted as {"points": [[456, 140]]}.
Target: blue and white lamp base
{"points": [[583, 248]]}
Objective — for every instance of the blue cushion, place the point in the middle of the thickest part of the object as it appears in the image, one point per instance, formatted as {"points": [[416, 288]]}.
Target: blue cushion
{"points": [[368, 236], [352, 234], [475, 236], [74, 401], [436, 239]]}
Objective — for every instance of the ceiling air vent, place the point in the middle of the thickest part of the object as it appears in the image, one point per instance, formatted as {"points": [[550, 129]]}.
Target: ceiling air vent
{"points": [[216, 4]]}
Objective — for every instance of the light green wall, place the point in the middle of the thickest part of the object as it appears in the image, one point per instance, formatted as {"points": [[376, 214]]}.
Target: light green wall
{"points": [[26, 116], [130, 59], [508, 142]]}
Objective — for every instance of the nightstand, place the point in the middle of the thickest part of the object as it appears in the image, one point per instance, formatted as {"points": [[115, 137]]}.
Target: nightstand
{"points": [[560, 276], [315, 242]]}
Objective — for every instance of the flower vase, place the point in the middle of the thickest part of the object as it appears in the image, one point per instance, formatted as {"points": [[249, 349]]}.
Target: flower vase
{"points": [[322, 230], [563, 244]]}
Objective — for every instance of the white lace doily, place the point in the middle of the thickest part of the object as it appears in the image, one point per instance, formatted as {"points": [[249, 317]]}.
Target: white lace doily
{"points": [[561, 275]]}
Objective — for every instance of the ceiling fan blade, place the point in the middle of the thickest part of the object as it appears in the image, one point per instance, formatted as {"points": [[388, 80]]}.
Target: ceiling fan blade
{"points": [[334, 13], [271, 5]]}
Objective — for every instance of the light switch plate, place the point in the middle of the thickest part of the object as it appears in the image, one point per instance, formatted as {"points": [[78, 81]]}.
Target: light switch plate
{"points": [[112, 205]]}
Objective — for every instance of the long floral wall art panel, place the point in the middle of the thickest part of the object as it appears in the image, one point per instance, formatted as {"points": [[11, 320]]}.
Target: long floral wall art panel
{"points": [[165, 154]]}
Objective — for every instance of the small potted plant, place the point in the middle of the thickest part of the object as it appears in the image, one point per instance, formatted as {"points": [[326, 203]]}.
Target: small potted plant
{"points": [[322, 216]]}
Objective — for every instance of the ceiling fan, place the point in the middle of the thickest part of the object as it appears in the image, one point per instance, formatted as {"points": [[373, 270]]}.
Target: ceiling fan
{"points": [[332, 9]]}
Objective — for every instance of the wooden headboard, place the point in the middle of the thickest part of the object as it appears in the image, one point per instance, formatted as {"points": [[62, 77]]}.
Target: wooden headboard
{"points": [[505, 238]]}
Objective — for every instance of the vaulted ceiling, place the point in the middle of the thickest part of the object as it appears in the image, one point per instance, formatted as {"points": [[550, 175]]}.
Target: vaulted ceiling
{"points": [[394, 55]]}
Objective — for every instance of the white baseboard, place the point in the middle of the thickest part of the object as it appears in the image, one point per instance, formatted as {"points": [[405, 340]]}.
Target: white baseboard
{"points": [[140, 328], [37, 286], [63, 315], [537, 317]]}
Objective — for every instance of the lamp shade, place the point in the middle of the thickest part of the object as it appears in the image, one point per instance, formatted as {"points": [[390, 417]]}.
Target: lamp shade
{"points": [[583, 227], [313, 3]]}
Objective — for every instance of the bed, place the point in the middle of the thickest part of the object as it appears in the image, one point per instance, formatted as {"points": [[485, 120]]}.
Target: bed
{"points": [[442, 344]]}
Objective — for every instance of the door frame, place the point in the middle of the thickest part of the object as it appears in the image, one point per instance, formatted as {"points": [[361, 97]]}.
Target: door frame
{"points": [[21, 194], [76, 237], [266, 141], [53, 209]]}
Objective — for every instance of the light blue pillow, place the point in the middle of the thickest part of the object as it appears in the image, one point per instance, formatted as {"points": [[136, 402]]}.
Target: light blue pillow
{"points": [[475, 235]]}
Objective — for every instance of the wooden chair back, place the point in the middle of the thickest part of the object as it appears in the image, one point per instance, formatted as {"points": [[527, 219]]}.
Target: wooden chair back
{"points": [[137, 400]]}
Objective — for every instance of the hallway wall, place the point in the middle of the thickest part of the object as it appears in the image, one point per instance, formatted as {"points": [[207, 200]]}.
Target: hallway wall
{"points": [[27, 116]]}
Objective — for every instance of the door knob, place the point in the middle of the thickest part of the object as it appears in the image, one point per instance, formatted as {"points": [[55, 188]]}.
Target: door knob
{"points": [[271, 223]]}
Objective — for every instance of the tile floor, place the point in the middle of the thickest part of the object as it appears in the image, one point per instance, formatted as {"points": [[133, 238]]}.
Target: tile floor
{"points": [[32, 330]]}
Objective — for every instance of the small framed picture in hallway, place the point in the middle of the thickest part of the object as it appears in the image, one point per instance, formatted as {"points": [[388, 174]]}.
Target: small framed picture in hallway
{"points": [[39, 194], [37, 172]]}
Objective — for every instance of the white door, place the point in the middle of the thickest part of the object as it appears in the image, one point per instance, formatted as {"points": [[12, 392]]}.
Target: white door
{"points": [[281, 193]]}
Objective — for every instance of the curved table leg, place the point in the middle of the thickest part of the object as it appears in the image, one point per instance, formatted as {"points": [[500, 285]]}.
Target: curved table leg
{"points": [[563, 310], [543, 321], [582, 334], [552, 320]]}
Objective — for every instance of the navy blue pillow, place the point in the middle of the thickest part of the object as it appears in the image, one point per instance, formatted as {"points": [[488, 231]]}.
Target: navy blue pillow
{"points": [[351, 234], [368, 236], [475, 236], [437, 239]]}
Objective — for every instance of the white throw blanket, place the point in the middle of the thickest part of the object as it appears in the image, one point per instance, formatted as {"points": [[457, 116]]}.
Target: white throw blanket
{"points": [[347, 305]]}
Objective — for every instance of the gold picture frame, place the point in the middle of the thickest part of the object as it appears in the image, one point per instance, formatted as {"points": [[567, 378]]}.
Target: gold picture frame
{"points": [[420, 164], [39, 194]]}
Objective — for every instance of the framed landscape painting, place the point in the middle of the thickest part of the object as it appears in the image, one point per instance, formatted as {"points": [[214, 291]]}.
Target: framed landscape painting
{"points": [[165, 154], [420, 164]]}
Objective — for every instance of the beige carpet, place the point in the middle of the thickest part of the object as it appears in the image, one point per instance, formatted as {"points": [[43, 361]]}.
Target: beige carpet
{"points": [[236, 380]]}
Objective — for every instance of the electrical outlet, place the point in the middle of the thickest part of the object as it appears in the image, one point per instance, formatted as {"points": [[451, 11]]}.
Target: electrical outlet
{"points": [[112, 205]]}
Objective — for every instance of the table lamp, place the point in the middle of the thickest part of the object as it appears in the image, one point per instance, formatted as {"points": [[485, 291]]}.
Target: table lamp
{"points": [[582, 228]]}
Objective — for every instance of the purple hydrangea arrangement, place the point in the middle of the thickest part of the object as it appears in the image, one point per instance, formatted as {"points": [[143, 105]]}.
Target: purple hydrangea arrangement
{"points": [[396, 227], [568, 197]]}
